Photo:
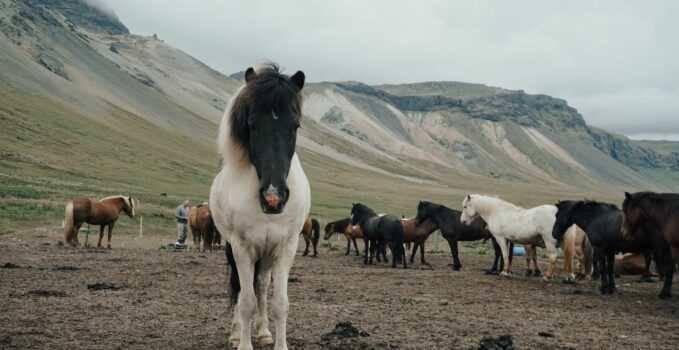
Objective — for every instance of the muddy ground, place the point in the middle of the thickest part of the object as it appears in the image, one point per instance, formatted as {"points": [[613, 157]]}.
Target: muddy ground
{"points": [[138, 296]]}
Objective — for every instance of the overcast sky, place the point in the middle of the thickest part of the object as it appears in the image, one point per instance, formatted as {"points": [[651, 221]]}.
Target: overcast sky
{"points": [[617, 62]]}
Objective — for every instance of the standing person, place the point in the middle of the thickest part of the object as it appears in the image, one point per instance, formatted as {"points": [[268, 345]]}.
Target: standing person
{"points": [[182, 216]]}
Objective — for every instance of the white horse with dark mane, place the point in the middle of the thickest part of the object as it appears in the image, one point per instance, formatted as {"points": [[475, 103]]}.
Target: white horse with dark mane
{"points": [[260, 199], [510, 223]]}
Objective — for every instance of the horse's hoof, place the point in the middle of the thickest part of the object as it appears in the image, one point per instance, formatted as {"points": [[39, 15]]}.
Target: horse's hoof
{"points": [[265, 340], [646, 279], [569, 280], [504, 274], [546, 279], [603, 290], [665, 295], [235, 342], [537, 273], [529, 273], [493, 272]]}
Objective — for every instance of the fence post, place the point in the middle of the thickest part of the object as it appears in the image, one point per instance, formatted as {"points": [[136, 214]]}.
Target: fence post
{"points": [[436, 242], [141, 226]]}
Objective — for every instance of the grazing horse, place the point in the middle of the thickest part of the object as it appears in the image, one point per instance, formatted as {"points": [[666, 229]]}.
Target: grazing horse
{"points": [[414, 232], [656, 217], [602, 222], [202, 227], [260, 199], [630, 264], [510, 223], [103, 213], [311, 231], [376, 229], [350, 232]]}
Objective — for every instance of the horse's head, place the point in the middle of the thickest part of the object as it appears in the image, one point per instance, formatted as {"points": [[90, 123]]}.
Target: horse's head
{"points": [[265, 117], [329, 230], [359, 212], [564, 218], [468, 211], [633, 214], [128, 206], [425, 210]]}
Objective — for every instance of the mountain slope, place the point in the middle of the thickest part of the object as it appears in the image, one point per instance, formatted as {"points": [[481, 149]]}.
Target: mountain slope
{"points": [[89, 109]]}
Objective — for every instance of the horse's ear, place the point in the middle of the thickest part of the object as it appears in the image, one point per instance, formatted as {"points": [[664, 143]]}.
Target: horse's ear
{"points": [[298, 79], [628, 195], [250, 74], [469, 197]]}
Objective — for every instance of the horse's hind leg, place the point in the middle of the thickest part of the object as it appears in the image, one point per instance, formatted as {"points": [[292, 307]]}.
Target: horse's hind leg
{"points": [[356, 246], [610, 267], [413, 252], [110, 229], [262, 332], [666, 267], [306, 240], [349, 246], [498, 259], [424, 262], [529, 255]]}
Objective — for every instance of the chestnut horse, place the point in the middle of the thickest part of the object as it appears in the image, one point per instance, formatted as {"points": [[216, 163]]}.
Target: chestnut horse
{"points": [[203, 227], [418, 234], [343, 226], [311, 231], [103, 213]]}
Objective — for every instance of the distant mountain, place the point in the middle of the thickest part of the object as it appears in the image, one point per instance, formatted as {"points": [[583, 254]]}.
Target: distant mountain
{"points": [[88, 105]]}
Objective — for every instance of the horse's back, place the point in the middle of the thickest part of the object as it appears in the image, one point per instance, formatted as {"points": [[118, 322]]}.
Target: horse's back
{"points": [[82, 209]]}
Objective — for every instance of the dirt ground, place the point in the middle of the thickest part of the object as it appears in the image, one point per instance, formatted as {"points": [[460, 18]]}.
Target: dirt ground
{"points": [[138, 296]]}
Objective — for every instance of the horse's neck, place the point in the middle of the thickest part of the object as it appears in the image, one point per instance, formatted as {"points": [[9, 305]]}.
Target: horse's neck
{"points": [[429, 226], [657, 208], [584, 216], [488, 207]]}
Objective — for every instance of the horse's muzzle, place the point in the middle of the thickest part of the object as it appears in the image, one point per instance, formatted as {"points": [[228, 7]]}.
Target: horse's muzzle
{"points": [[272, 200]]}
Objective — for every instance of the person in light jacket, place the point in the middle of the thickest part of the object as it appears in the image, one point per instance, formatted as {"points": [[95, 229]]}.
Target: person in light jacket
{"points": [[182, 216]]}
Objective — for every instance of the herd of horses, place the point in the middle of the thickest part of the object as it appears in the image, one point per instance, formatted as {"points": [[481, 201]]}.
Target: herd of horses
{"points": [[260, 202]]}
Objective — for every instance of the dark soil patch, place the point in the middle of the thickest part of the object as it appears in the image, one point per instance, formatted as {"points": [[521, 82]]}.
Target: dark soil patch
{"points": [[503, 342], [103, 286], [67, 268], [41, 293], [9, 266]]}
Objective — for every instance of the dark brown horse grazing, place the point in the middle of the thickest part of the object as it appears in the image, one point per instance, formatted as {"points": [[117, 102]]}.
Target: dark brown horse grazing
{"points": [[655, 216], [104, 213], [343, 226], [418, 234], [311, 231], [202, 227]]}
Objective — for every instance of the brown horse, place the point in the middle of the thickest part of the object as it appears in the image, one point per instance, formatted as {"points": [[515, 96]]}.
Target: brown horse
{"points": [[311, 231], [343, 226], [202, 227], [104, 213], [630, 264], [417, 234]]}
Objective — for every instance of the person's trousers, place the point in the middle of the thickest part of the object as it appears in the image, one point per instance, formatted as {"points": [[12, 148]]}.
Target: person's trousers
{"points": [[182, 231]]}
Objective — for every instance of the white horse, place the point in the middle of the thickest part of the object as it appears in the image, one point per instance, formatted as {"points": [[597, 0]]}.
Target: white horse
{"points": [[260, 199], [508, 222]]}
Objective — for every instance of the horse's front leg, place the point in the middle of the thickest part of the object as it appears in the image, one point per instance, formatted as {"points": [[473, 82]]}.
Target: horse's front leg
{"points": [[551, 250], [358, 253], [247, 301], [101, 235], [610, 266], [349, 246], [366, 251], [279, 303], [414, 251], [603, 272], [646, 276], [456, 255], [502, 242], [110, 230], [262, 331], [306, 250]]}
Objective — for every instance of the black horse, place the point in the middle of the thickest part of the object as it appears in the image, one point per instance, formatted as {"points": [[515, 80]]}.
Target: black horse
{"points": [[448, 221], [376, 229], [655, 217], [602, 222]]}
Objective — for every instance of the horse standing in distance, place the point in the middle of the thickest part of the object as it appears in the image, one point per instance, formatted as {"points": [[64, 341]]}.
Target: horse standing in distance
{"points": [[655, 216], [350, 232], [202, 227], [311, 232], [417, 234], [510, 223], [260, 200], [103, 213], [378, 230], [602, 222]]}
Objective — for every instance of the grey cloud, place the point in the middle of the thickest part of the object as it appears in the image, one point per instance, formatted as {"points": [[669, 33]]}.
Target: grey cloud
{"points": [[617, 62]]}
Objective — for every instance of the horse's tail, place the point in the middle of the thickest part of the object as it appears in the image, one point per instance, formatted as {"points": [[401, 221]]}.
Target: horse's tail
{"points": [[587, 247], [316, 229], [210, 232], [69, 223], [234, 281]]}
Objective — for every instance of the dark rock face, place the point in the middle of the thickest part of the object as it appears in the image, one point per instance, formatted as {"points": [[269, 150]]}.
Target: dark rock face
{"points": [[83, 14]]}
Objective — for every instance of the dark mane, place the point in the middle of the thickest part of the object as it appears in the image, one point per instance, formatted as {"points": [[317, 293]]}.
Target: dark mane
{"points": [[584, 202], [268, 90]]}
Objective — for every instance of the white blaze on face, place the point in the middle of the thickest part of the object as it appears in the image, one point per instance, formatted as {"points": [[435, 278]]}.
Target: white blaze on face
{"points": [[275, 117]]}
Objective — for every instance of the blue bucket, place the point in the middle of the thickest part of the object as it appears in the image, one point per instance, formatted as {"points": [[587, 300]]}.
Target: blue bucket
{"points": [[519, 251]]}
